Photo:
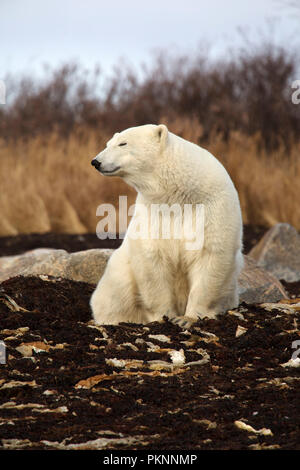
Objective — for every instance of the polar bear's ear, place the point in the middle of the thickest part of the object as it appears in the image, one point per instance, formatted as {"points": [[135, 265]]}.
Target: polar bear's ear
{"points": [[162, 134]]}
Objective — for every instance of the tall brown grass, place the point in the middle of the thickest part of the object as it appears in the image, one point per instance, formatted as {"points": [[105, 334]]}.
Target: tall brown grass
{"points": [[239, 108], [48, 184]]}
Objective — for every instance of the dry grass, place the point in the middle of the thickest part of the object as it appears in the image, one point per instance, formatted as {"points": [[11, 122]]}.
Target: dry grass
{"points": [[268, 185], [48, 184], [239, 108]]}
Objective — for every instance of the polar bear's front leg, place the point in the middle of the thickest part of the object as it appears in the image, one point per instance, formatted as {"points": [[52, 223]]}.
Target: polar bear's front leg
{"points": [[154, 286], [114, 299], [213, 288]]}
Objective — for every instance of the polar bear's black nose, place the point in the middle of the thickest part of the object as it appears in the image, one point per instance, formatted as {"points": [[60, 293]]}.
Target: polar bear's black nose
{"points": [[96, 164]]}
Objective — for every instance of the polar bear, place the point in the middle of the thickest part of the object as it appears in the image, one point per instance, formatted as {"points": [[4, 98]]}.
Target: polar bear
{"points": [[149, 277]]}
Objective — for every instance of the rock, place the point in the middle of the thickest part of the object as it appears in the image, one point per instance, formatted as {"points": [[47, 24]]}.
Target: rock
{"points": [[256, 285], [87, 266], [279, 252], [34, 262]]}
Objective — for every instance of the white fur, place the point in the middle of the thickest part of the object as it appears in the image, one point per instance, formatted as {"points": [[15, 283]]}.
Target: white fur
{"points": [[147, 279]]}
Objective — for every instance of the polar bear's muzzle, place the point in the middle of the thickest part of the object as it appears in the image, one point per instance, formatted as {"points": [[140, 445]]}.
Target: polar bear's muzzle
{"points": [[100, 168]]}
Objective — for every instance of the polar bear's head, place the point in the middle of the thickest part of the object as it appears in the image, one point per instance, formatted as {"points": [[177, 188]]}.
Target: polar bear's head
{"points": [[133, 152]]}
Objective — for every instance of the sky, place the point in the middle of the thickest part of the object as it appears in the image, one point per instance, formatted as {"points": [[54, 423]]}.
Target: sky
{"points": [[34, 32]]}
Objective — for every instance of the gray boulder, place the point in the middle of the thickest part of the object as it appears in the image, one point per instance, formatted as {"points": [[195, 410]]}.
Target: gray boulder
{"points": [[87, 266], [279, 252], [257, 286]]}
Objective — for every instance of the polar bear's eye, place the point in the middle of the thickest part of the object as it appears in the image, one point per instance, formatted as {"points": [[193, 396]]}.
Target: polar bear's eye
{"points": [[123, 143]]}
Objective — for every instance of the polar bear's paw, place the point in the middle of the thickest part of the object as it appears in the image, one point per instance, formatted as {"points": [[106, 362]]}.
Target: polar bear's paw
{"points": [[184, 322], [210, 315]]}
